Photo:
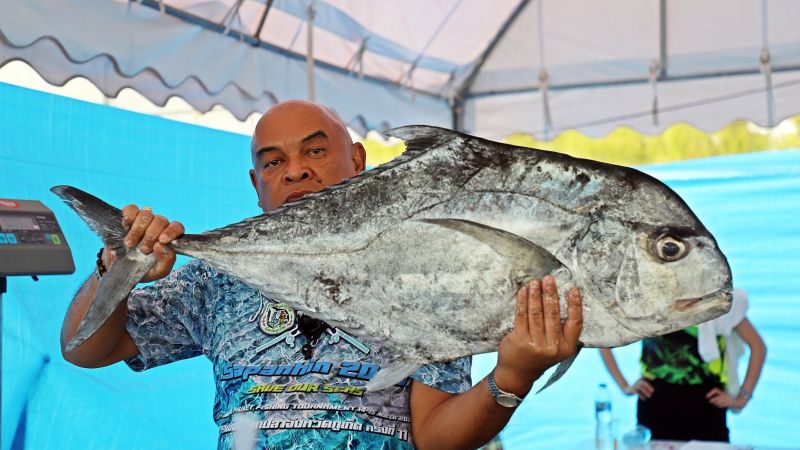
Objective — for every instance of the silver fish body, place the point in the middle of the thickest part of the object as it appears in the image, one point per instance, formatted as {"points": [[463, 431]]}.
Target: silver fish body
{"points": [[426, 253]]}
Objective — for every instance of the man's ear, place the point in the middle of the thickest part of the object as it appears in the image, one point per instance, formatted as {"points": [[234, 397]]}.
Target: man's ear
{"points": [[254, 182], [359, 157]]}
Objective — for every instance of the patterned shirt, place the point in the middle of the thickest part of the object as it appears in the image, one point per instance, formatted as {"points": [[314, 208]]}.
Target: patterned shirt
{"points": [[268, 395], [675, 358]]}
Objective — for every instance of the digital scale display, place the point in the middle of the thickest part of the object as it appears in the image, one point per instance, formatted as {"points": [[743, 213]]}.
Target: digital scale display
{"points": [[18, 223], [31, 241]]}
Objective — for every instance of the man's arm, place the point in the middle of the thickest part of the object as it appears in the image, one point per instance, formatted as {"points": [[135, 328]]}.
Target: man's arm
{"points": [[538, 341], [111, 343]]}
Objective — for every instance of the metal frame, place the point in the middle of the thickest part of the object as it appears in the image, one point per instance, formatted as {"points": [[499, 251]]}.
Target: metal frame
{"points": [[642, 80], [463, 92], [254, 41]]}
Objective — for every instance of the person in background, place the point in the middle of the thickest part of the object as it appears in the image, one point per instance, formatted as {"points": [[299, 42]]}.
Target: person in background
{"points": [[689, 377]]}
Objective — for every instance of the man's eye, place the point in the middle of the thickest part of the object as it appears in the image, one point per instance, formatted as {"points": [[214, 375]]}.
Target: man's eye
{"points": [[316, 151], [271, 163]]}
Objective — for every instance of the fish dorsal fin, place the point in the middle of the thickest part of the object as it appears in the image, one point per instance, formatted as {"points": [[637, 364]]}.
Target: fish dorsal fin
{"points": [[419, 138], [561, 369], [393, 373], [535, 260]]}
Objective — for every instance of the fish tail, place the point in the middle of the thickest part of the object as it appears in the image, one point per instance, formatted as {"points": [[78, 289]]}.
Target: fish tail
{"points": [[102, 218], [122, 276]]}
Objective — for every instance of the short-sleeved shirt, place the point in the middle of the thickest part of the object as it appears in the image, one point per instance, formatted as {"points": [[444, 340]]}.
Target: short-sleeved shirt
{"points": [[263, 380]]}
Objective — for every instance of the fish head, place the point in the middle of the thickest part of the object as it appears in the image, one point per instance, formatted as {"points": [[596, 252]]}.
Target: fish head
{"points": [[653, 266]]}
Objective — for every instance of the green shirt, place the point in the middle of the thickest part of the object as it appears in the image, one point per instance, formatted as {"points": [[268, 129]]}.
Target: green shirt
{"points": [[674, 358]]}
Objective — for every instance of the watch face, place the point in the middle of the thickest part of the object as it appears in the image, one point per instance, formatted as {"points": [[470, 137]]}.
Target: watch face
{"points": [[507, 401]]}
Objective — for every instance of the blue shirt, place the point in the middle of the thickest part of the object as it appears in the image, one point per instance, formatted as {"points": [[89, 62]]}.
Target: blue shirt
{"points": [[267, 394]]}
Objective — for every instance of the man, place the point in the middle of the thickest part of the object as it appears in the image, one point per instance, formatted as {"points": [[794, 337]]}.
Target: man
{"points": [[296, 380]]}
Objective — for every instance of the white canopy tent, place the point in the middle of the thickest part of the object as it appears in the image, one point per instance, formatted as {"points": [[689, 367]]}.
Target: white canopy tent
{"points": [[488, 68]]}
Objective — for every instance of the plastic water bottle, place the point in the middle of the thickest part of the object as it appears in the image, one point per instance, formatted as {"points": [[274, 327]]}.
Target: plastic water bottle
{"points": [[604, 433]]}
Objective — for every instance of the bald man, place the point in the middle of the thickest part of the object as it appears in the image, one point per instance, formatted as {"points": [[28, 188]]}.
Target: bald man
{"points": [[295, 380]]}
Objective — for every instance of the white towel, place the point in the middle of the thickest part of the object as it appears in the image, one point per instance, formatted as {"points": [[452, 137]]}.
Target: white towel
{"points": [[724, 326]]}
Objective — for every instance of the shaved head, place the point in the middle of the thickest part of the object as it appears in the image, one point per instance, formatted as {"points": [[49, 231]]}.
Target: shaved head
{"points": [[300, 147], [302, 106]]}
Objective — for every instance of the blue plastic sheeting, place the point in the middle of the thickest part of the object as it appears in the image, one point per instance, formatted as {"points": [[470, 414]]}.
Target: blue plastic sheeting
{"points": [[199, 176], [192, 173]]}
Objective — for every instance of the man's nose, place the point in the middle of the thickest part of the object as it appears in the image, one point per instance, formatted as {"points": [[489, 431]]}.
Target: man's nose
{"points": [[296, 171]]}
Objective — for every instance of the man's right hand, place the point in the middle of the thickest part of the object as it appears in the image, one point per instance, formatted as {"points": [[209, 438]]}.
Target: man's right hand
{"points": [[642, 388], [112, 343], [152, 234]]}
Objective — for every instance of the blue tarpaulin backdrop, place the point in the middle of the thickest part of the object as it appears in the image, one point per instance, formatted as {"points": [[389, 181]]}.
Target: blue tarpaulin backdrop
{"points": [[199, 176]]}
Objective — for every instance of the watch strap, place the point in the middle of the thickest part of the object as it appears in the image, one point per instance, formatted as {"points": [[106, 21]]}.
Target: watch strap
{"points": [[502, 397]]}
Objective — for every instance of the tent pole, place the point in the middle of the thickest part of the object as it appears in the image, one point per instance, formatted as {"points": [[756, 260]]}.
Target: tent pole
{"points": [[261, 22], [464, 90], [310, 53], [766, 65], [662, 39], [458, 114]]}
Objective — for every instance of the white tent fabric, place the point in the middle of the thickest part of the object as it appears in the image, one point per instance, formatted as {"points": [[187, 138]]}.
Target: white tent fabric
{"points": [[488, 68], [642, 64], [117, 45]]}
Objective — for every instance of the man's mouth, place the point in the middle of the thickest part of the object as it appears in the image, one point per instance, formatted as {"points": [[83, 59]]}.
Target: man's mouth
{"points": [[296, 195]]}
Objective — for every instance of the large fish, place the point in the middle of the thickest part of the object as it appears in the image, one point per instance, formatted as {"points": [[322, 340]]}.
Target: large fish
{"points": [[426, 253]]}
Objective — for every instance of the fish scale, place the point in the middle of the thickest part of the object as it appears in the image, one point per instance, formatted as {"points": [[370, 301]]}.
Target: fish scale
{"points": [[425, 254]]}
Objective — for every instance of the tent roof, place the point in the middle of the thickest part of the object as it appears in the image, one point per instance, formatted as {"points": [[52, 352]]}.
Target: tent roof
{"points": [[490, 68]]}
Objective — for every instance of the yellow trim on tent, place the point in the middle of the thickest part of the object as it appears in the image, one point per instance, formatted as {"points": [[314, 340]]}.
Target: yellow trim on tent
{"points": [[628, 147]]}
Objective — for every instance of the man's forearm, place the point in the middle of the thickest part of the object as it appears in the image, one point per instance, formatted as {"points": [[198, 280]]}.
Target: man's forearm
{"points": [[468, 420], [99, 350]]}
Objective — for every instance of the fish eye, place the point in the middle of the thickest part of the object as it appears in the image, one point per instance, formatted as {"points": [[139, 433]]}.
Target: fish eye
{"points": [[670, 248]]}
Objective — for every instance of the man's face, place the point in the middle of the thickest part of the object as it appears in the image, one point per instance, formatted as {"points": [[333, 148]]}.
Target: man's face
{"points": [[298, 148]]}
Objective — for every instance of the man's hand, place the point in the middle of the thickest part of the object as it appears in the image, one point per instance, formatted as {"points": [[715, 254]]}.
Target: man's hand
{"points": [[538, 340], [722, 399], [152, 233], [642, 388]]}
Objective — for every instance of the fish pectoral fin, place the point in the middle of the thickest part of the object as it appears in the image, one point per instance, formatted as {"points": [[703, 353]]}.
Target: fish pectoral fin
{"points": [[114, 287], [561, 369], [528, 256], [393, 373]]}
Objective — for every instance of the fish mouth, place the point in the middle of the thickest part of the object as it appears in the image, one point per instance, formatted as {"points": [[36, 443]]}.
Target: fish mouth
{"points": [[296, 195], [687, 304]]}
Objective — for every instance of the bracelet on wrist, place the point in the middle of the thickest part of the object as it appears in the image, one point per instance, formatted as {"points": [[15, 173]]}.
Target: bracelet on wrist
{"points": [[745, 394], [101, 268]]}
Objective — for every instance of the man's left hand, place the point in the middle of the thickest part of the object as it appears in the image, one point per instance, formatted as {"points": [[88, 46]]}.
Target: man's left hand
{"points": [[539, 340]]}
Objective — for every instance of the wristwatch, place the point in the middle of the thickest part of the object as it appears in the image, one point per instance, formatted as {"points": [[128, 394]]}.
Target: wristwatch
{"points": [[502, 397]]}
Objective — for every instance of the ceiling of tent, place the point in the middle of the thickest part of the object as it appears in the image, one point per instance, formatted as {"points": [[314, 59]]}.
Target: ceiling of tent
{"points": [[489, 68]]}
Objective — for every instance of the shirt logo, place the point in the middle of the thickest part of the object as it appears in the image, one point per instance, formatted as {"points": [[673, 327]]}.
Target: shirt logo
{"points": [[277, 318]]}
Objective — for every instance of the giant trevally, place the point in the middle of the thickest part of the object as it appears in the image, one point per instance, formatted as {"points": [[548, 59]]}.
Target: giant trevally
{"points": [[425, 254]]}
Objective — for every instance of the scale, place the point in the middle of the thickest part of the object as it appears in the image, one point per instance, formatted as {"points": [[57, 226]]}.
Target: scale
{"points": [[31, 243]]}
